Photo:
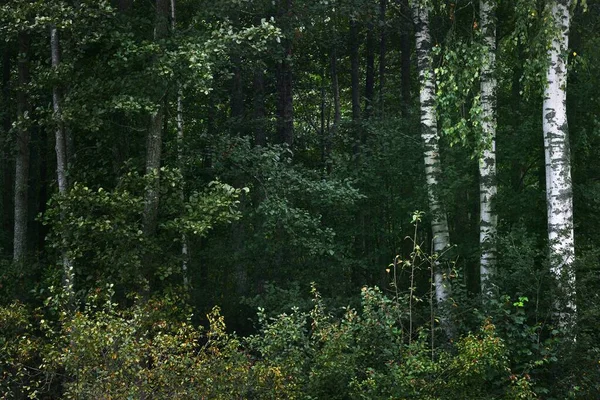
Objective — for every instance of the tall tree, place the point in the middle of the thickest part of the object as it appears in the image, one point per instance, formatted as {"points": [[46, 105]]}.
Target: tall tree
{"points": [[61, 153], [430, 138], [154, 138], [22, 159], [382, 52], [180, 160], [7, 165], [354, 69], [369, 70], [487, 162], [559, 190]]}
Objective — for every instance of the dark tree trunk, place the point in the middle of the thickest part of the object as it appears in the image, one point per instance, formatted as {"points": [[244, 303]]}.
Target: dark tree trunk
{"points": [[124, 5], [324, 133], [285, 103], [154, 138], [259, 113], [382, 53], [236, 101], [43, 229], [22, 161], [354, 72], [370, 72], [405, 48], [337, 114], [8, 168]]}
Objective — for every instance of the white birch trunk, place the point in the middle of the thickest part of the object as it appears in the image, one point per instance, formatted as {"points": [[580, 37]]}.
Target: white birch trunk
{"points": [[559, 191], [487, 163], [430, 137], [61, 158]]}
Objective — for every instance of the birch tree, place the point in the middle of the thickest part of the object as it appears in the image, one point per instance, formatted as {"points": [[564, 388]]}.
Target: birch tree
{"points": [[487, 162], [430, 138], [61, 154], [559, 191]]}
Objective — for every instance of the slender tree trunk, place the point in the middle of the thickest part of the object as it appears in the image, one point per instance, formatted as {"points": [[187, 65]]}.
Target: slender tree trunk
{"points": [[22, 160], [355, 83], [8, 168], [260, 114], [337, 113], [236, 102], [405, 57], [487, 163], [61, 142], [382, 54], [324, 139], [180, 160], [335, 88], [354, 71], [559, 191], [154, 138], [61, 158], [430, 137], [45, 178], [370, 72]]}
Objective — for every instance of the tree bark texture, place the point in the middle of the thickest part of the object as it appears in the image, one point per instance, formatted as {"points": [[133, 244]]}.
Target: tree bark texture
{"points": [[430, 137], [154, 138], [60, 137], [8, 168], [559, 190], [487, 163], [22, 158], [180, 159], [61, 157]]}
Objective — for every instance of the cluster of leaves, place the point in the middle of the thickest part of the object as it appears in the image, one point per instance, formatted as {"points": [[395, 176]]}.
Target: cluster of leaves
{"points": [[104, 227]]}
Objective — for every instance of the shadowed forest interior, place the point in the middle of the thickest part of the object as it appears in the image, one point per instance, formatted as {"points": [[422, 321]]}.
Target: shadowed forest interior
{"points": [[311, 199]]}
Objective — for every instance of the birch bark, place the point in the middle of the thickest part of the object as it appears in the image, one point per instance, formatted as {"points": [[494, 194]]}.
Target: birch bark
{"points": [[430, 137], [559, 191], [487, 163], [61, 157]]}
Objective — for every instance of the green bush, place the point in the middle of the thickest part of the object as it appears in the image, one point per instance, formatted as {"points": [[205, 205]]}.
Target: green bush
{"points": [[152, 350]]}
